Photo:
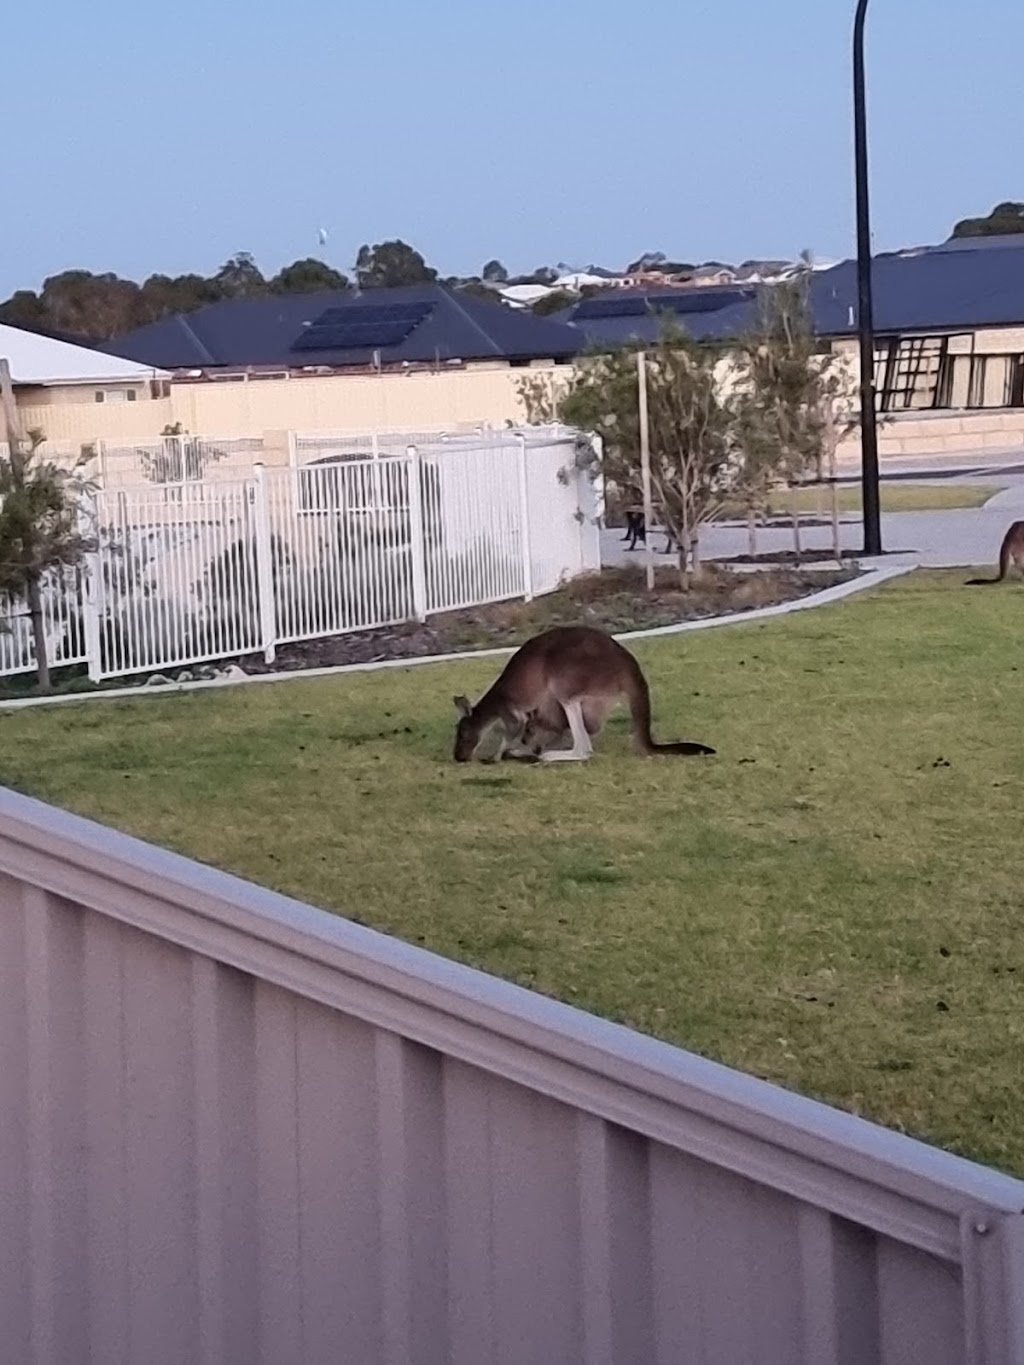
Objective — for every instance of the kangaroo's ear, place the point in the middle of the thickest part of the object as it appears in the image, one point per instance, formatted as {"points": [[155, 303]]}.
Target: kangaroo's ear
{"points": [[462, 705]]}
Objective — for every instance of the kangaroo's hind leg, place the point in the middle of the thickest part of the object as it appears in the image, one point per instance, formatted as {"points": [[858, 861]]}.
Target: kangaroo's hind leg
{"points": [[581, 745]]}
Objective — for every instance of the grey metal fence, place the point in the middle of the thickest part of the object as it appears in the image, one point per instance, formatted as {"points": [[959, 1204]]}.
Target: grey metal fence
{"points": [[236, 1130]]}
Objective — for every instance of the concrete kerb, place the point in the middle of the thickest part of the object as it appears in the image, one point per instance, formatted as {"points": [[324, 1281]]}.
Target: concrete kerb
{"points": [[876, 574]]}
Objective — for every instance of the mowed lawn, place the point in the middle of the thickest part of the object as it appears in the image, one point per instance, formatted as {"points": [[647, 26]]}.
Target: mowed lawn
{"points": [[895, 497], [835, 902]]}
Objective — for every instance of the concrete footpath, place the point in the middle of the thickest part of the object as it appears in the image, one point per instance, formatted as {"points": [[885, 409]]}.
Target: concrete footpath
{"points": [[966, 536]]}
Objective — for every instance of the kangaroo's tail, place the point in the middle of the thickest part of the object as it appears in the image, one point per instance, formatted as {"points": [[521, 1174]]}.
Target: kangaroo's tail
{"points": [[640, 710], [1004, 567]]}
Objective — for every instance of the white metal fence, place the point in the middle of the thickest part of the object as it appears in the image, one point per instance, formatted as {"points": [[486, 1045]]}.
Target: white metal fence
{"points": [[172, 460], [199, 569], [63, 628]]}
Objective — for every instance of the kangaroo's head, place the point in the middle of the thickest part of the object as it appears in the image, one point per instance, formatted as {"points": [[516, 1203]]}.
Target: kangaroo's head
{"points": [[467, 731]]}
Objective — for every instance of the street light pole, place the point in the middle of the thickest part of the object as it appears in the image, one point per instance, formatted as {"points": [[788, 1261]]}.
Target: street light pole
{"points": [[865, 317]]}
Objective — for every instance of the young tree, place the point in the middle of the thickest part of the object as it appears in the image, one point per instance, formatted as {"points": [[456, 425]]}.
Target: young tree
{"points": [[40, 532], [788, 394], [691, 430]]}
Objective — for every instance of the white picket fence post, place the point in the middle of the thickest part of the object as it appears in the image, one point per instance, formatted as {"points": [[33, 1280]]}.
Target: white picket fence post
{"points": [[417, 536], [100, 446], [293, 455], [264, 564], [92, 589], [598, 485], [525, 542]]}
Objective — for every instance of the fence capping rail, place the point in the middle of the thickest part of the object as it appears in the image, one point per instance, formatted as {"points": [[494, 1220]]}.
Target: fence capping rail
{"points": [[942, 1204]]}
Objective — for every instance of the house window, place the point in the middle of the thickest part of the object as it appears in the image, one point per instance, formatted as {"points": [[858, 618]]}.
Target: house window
{"points": [[910, 373], [116, 395], [996, 381], [1015, 382]]}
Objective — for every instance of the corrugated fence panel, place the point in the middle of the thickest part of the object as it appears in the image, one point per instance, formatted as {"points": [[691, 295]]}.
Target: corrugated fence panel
{"points": [[225, 1138]]}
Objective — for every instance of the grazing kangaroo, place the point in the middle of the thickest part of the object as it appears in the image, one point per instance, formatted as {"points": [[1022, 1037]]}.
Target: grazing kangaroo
{"points": [[636, 529], [568, 678], [1011, 552]]}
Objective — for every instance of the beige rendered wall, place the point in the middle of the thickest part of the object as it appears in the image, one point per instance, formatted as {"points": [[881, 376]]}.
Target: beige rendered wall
{"points": [[336, 403], [365, 403], [943, 433], [83, 395]]}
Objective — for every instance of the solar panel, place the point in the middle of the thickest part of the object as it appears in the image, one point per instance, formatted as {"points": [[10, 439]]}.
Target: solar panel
{"points": [[641, 305], [612, 308], [375, 312], [359, 326]]}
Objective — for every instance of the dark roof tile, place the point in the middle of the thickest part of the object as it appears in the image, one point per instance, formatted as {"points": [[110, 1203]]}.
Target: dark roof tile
{"points": [[919, 291], [262, 332]]}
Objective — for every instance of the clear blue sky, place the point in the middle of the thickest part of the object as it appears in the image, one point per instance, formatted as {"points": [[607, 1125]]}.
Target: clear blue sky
{"points": [[144, 137]]}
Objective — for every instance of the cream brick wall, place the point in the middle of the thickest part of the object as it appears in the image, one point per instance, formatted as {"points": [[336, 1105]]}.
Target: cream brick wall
{"points": [[335, 403], [483, 394]]}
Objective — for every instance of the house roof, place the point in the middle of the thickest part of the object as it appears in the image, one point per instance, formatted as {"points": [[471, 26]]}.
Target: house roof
{"points": [[37, 359], [997, 242], [636, 314], [922, 290], [423, 324], [525, 294]]}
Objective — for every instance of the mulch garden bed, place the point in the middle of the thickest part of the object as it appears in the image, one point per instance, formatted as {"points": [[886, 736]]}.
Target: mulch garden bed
{"points": [[806, 557], [614, 600]]}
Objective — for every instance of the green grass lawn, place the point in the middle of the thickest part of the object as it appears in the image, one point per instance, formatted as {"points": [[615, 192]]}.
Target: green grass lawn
{"points": [[895, 497], [835, 902]]}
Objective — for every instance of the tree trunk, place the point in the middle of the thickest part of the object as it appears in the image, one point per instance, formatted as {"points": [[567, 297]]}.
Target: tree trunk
{"points": [[683, 563], [831, 442], [695, 552], [794, 511], [35, 616], [837, 548], [752, 532]]}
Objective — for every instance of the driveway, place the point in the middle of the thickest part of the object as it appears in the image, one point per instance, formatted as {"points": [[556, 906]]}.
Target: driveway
{"points": [[967, 536]]}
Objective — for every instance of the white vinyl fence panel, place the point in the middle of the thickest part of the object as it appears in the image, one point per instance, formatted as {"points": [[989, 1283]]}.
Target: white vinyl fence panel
{"points": [[171, 460], [193, 570], [561, 514], [63, 625], [473, 521], [240, 1131], [341, 547], [177, 580]]}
